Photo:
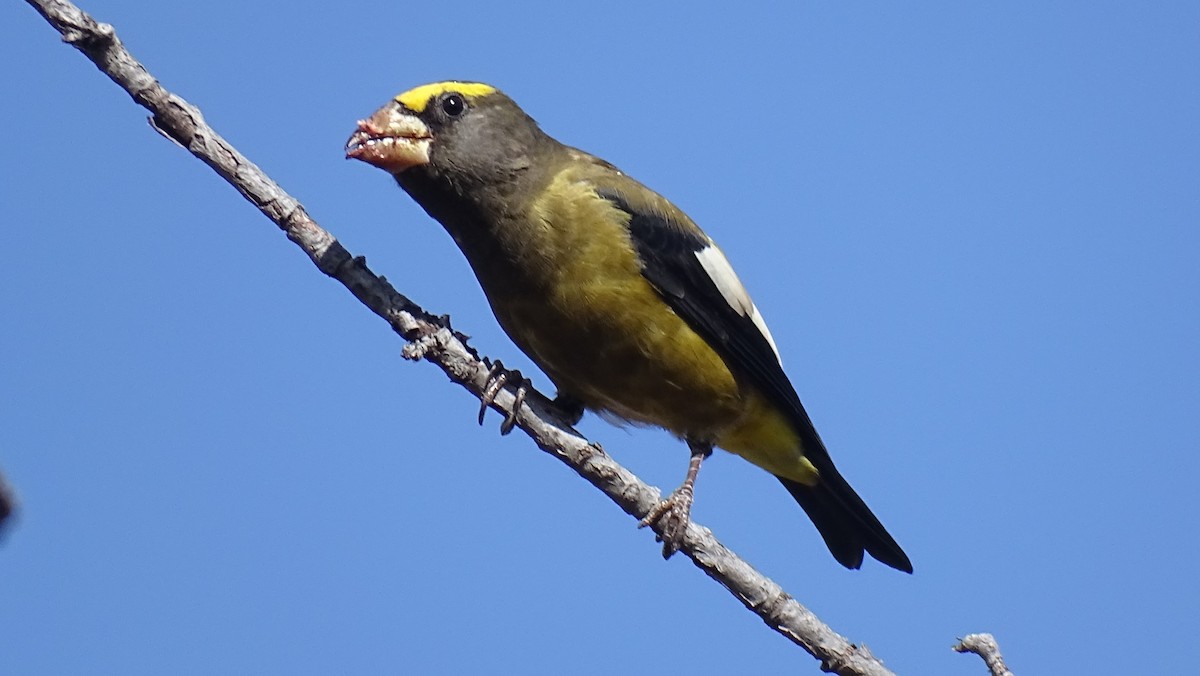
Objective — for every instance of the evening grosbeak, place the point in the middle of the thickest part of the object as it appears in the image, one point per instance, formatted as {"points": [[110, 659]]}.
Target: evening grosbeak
{"points": [[628, 307]]}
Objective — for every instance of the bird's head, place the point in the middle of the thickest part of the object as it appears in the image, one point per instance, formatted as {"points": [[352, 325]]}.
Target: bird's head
{"points": [[463, 132]]}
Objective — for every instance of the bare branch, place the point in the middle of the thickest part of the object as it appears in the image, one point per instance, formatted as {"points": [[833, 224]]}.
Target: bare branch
{"points": [[986, 647], [430, 338]]}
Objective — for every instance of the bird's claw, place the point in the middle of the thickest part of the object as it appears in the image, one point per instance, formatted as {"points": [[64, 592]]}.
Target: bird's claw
{"points": [[497, 378], [670, 519], [510, 420], [672, 516]]}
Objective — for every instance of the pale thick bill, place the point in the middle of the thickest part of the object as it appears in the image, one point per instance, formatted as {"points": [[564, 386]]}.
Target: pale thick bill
{"points": [[390, 139]]}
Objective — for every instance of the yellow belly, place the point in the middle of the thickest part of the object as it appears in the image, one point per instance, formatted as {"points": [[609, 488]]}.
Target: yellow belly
{"points": [[616, 346]]}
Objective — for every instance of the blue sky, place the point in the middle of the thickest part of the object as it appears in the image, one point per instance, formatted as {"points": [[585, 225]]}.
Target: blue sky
{"points": [[973, 229]]}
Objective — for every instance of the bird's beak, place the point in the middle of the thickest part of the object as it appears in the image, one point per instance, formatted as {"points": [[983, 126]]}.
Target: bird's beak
{"points": [[392, 139]]}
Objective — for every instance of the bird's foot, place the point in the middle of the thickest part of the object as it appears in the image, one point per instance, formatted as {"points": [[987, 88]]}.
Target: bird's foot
{"points": [[497, 378], [670, 519], [672, 516]]}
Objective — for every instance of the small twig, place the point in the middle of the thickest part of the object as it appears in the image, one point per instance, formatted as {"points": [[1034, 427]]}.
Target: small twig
{"points": [[986, 647], [431, 339]]}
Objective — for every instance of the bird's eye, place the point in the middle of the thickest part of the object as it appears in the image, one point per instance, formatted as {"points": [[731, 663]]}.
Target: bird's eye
{"points": [[453, 105]]}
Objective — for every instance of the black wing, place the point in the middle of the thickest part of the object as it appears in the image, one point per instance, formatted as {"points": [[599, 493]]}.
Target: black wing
{"points": [[669, 262], [673, 256]]}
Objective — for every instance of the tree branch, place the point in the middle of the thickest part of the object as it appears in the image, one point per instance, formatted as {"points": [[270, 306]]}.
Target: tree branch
{"points": [[986, 647], [431, 338]]}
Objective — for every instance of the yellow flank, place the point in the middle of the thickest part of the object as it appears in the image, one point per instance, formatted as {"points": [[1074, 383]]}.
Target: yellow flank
{"points": [[418, 98], [764, 436]]}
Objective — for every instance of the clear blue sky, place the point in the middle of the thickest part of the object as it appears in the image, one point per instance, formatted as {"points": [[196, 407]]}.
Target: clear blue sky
{"points": [[974, 229]]}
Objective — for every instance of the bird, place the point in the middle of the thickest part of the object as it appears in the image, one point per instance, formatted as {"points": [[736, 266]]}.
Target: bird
{"points": [[626, 305]]}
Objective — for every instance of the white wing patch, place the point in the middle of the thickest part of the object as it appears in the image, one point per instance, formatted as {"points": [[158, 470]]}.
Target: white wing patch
{"points": [[721, 273]]}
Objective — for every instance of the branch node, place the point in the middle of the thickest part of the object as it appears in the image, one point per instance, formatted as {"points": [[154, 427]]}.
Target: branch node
{"points": [[420, 345]]}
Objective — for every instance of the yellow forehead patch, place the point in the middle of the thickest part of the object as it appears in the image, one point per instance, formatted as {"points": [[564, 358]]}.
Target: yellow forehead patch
{"points": [[417, 98]]}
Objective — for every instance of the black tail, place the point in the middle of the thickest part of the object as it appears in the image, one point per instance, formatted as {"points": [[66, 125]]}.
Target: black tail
{"points": [[845, 521]]}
